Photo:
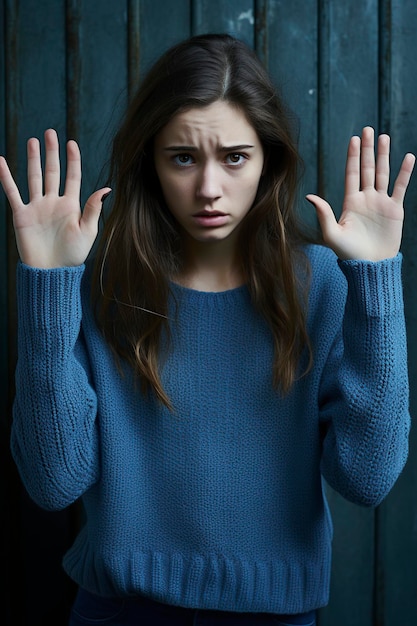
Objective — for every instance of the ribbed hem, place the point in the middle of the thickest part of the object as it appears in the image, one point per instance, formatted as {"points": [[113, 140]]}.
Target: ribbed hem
{"points": [[206, 582]]}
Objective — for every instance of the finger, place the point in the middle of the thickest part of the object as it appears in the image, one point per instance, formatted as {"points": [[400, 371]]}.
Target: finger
{"points": [[9, 186], [34, 169], [52, 166], [367, 158], [382, 164], [73, 179], [92, 210], [403, 178], [352, 172]]}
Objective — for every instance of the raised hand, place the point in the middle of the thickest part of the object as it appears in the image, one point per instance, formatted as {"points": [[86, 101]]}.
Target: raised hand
{"points": [[50, 230], [371, 222]]}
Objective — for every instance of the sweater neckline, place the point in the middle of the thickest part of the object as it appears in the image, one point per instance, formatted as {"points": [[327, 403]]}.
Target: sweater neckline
{"points": [[176, 287]]}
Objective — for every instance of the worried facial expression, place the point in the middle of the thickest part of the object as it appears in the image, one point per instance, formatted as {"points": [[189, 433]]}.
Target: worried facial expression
{"points": [[209, 162]]}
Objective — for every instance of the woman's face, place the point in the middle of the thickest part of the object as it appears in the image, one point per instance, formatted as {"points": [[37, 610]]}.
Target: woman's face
{"points": [[209, 162]]}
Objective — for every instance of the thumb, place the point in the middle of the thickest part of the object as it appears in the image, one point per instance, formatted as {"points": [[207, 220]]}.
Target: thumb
{"points": [[325, 215], [93, 208]]}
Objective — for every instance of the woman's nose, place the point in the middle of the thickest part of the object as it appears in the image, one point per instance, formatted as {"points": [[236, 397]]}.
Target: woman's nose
{"points": [[209, 182]]}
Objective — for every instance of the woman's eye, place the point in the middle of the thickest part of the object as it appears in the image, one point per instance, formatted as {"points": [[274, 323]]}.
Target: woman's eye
{"points": [[235, 158], [183, 159]]}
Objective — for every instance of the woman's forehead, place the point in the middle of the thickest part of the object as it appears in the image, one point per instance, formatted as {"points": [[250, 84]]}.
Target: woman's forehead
{"points": [[221, 122]]}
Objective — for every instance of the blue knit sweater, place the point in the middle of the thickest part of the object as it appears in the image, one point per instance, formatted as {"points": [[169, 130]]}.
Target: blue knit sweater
{"points": [[221, 504]]}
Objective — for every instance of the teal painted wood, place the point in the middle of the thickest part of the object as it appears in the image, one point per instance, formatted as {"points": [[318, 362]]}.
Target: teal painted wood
{"points": [[396, 565], [159, 25], [97, 82], [38, 87], [288, 34], [236, 17], [349, 85]]}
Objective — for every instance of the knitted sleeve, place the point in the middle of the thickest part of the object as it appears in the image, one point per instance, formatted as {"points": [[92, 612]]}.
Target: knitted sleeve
{"points": [[364, 399], [53, 438]]}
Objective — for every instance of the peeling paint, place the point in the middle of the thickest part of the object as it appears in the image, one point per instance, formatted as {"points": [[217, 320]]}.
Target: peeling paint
{"points": [[247, 15]]}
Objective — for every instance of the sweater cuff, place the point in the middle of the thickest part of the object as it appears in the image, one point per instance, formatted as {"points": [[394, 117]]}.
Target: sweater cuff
{"points": [[374, 287], [48, 298]]}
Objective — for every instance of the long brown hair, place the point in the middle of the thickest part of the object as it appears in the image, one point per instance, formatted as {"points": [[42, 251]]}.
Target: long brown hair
{"points": [[140, 247]]}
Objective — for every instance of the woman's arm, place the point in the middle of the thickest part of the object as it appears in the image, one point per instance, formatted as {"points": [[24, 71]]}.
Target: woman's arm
{"points": [[364, 392], [54, 438]]}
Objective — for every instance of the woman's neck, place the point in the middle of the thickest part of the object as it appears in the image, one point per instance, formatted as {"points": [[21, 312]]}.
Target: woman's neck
{"points": [[210, 267]]}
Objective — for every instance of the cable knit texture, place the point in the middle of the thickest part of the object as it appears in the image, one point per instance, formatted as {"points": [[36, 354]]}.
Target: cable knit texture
{"points": [[219, 505]]}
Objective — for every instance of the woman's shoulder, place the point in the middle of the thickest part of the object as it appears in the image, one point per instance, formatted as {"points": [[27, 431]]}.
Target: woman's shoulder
{"points": [[323, 262], [319, 255], [326, 276]]}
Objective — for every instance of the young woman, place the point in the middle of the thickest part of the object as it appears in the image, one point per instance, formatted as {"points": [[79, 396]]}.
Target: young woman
{"points": [[194, 382]]}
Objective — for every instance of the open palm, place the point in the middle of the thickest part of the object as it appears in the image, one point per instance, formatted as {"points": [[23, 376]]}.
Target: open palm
{"points": [[51, 231], [371, 222]]}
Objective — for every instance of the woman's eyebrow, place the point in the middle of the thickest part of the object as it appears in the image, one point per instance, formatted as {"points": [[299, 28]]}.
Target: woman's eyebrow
{"points": [[181, 148], [242, 146]]}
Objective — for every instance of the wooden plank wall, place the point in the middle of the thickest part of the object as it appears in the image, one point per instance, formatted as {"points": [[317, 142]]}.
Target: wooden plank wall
{"points": [[341, 65]]}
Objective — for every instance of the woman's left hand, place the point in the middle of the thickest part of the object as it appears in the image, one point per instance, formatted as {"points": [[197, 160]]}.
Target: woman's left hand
{"points": [[371, 222]]}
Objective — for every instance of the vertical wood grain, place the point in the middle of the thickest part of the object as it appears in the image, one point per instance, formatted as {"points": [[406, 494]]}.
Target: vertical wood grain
{"points": [[291, 57]]}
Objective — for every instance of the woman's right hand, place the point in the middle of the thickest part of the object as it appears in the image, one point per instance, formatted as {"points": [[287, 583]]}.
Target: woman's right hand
{"points": [[51, 231]]}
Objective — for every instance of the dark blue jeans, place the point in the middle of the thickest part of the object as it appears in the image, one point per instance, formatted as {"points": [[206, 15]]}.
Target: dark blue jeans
{"points": [[89, 609]]}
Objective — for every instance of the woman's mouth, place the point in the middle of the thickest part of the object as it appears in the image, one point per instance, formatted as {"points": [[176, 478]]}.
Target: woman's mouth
{"points": [[210, 219]]}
